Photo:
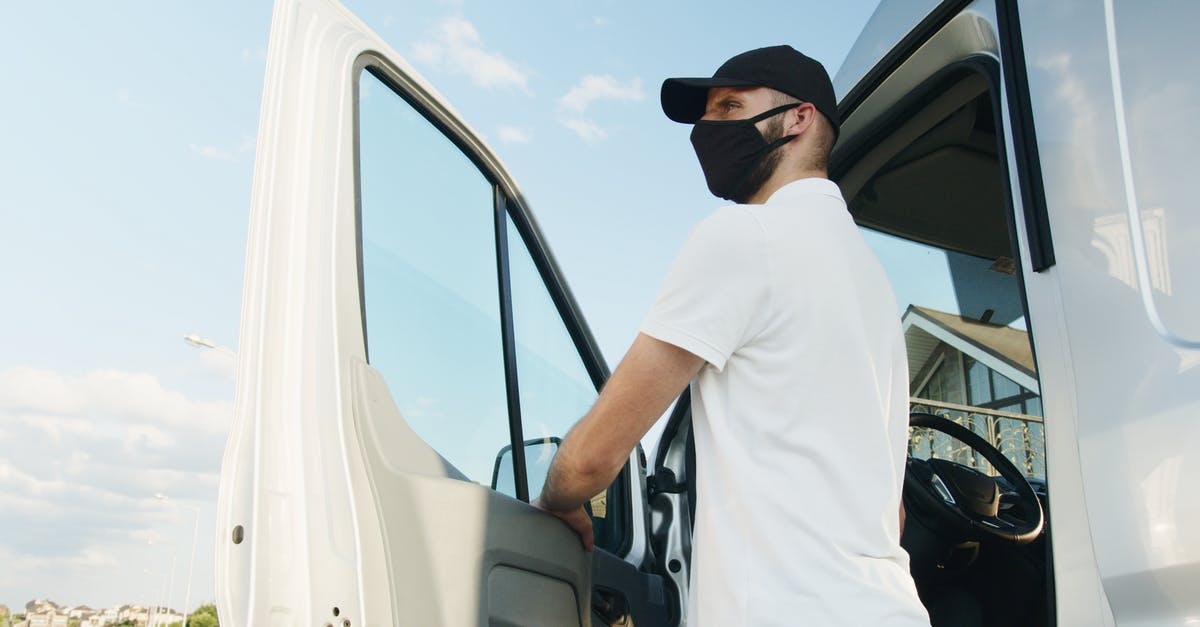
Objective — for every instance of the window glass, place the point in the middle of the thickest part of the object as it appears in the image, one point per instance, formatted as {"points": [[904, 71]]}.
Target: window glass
{"points": [[935, 386], [555, 388], [430, 285], [934, 213], [1003, 387], [977, 374]]}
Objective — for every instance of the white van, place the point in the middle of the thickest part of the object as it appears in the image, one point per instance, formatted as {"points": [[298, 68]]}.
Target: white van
{"points": [[410, 353]]}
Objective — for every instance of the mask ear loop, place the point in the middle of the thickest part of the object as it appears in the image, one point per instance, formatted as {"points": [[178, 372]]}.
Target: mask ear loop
{"points": [[768, 148], [774, 112], [754, 120]]}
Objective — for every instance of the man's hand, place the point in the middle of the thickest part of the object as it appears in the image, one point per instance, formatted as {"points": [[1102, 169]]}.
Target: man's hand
{"points": [[651, 375], [577, 519]]}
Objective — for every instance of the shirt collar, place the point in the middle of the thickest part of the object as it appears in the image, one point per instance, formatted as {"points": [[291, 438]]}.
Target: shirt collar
{"points": [[794, 191]]}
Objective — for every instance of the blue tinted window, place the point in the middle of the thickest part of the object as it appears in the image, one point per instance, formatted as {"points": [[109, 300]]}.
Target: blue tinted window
{"points": [[556, 390], [429, 281], [979, 386]]}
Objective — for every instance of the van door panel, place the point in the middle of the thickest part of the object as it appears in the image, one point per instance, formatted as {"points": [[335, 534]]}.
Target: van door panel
{"points": [[344, 514], [342, 505]]}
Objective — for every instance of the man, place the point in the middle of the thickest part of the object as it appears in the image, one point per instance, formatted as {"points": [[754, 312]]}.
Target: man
{"points": [[787, 324]]}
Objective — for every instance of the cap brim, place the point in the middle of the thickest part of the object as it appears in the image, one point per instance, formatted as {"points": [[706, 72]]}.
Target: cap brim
{"points": [[684, 99]]}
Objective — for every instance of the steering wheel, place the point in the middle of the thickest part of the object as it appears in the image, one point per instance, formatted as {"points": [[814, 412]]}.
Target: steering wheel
{"points": [[967, 499]]}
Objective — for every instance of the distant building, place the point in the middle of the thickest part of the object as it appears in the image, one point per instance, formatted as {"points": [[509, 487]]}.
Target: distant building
{"points": [[165, 616], [106, 616], [137, 614], [983, 376], [40, 606]]}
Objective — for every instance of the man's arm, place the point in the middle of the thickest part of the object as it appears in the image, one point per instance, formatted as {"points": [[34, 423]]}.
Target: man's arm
{"points": [[652, 374]]}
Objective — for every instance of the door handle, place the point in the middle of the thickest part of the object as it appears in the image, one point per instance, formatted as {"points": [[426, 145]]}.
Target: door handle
{"points": [[611, 606]]}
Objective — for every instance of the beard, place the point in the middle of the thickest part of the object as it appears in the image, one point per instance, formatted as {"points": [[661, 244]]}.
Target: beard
{"points": [[765, 166]]}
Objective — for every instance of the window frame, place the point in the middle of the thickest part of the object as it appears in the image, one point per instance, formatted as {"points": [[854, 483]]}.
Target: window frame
{"points": [[1018, 181], [919, 97], [996, 403], [1011, 67], [509, 211]]}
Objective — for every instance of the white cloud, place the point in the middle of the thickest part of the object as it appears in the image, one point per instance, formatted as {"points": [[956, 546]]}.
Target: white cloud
{"points": [[26, 483], [247, 144], [514, 135], [573, 106], [256, 54], [81, 458], [58, 428], [212, 152], [456, 47], [423, 407], [585, 129], [120, 570], [109, 393], [144, 437], [592, 88]]}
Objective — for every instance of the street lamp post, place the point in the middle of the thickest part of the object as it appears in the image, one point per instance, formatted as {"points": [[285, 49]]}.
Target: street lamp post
{"points": [[164, 593], [149, 599], [187, 595], [197, 341], [171, 584], [164, 596]]}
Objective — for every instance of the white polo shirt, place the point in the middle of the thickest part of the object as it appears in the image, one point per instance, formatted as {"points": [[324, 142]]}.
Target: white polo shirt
{"points": [[800, 416]]}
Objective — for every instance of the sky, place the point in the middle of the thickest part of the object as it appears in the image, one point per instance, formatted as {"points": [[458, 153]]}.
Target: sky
{"points": [[129, 142]]}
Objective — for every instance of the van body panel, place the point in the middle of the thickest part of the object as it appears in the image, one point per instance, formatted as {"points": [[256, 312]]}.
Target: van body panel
{"points": [[970, 34], [1118, 371], [889, 24], [1137, 393], [281, 481]]}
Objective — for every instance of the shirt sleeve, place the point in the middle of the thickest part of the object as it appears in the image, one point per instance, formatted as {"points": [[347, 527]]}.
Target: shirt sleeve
{"points": [[714, 299]]}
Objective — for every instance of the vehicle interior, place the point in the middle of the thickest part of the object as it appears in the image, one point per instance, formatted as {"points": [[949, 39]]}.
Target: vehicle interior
{"points": [[932, 195]]}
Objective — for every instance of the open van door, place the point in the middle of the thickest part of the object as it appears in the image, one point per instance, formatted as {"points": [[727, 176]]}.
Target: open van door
{"points": [[410, 357], [1036, 284]]}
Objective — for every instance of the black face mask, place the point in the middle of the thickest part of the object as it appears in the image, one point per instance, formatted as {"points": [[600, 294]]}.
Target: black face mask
{"points": [[730, 150]]}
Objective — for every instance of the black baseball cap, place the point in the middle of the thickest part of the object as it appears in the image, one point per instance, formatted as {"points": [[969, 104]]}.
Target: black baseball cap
{"points": [[781, 68]]}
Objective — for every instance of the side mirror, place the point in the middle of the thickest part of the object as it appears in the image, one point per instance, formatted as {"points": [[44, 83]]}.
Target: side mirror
{"points": [[539, 452]]}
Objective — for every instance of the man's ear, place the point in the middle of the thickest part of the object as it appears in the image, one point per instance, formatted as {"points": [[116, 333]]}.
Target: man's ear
{"points": [[800, 119]]}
